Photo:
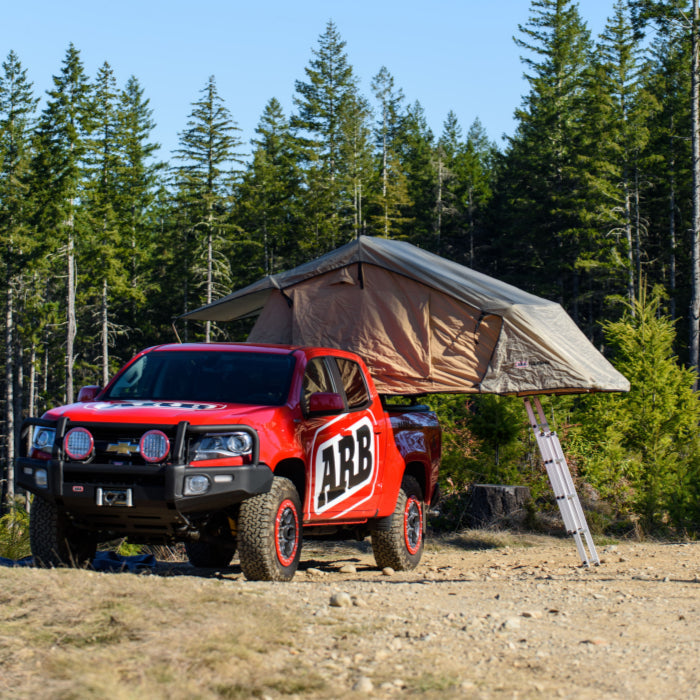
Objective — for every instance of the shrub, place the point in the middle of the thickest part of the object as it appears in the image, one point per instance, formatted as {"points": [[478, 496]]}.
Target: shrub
{"points": [[14, 533], [640, 450], [486, 439]]}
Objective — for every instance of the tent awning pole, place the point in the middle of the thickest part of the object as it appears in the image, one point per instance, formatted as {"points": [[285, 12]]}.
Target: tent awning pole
{"points": [[562, 483]]}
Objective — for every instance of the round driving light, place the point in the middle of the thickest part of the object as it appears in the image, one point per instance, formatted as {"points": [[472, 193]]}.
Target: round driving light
{"points": [[196, 485], [78, 443], [239, 443], [154, 446]]}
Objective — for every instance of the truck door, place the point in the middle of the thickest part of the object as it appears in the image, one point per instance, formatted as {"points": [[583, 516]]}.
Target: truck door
{"points": [[342, 445]]}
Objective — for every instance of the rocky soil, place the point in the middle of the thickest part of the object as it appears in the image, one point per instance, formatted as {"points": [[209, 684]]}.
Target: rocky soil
{"points": [[522, 620], [484, 616]]}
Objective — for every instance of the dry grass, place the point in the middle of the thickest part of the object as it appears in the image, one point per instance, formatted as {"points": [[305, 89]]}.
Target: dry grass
{"points": [[437, 632], [75, 634], [488, 539]]}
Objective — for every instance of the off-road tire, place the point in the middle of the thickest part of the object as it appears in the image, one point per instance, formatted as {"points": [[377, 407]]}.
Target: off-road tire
{"points": [[401, 546], [211, 555], [53, 539], [270, 533]]}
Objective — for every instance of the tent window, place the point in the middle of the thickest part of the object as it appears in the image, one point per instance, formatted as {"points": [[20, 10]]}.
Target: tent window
{"points": [[353, 383], [316, 379]]}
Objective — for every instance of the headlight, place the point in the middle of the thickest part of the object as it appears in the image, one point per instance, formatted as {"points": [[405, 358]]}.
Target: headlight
{"points": [[218, 446], [43, 439], [239, 443]]}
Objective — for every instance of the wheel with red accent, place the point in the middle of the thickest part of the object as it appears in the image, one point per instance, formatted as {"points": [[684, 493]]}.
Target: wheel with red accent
{"points": [[269, 533], [401, 546]]}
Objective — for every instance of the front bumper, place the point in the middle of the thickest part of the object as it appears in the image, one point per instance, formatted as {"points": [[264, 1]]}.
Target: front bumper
{"points": [[145, 502], [76, 485]]}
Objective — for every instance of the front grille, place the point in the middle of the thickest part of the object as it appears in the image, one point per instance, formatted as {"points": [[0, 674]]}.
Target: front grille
{"points": [[118, 445]]}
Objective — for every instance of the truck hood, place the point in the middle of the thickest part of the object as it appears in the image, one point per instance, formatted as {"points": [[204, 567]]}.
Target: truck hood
{"points": [[162, 412]]}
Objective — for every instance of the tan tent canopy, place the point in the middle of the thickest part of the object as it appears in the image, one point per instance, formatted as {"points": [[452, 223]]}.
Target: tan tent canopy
{"points": [[422, 324]]}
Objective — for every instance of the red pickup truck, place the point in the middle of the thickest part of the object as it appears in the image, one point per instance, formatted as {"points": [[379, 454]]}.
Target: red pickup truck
{"points": [[231, 446]]}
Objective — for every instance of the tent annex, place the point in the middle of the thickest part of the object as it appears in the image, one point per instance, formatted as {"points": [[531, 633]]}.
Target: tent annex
{"points": [[423, 324]]}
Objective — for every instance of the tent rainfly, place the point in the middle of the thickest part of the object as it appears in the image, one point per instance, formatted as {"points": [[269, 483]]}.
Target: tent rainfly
{"points": [[423, 324]]}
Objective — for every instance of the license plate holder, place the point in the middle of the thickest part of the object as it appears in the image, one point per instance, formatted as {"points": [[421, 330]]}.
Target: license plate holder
{"points": [[110, 498]]}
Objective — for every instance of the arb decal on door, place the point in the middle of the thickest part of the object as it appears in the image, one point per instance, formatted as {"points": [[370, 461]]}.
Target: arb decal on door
{"points": [[343, 465]]}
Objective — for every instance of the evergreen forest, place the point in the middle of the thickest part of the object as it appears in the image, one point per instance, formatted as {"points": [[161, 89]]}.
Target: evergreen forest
{"points": [[593, 202]]}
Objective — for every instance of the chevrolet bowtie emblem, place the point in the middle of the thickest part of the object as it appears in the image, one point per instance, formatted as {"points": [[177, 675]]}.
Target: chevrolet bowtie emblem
{"points": [[123, 448]]}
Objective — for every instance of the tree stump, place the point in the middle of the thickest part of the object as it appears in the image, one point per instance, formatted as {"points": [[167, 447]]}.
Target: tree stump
{"points": [[490, 503]]}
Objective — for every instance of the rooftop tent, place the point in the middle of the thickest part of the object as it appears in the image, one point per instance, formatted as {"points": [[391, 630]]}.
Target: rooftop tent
{"points": [[422, 324]]}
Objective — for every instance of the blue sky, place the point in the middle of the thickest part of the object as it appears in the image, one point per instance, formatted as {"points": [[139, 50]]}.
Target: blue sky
{"points": [[449, 54]]}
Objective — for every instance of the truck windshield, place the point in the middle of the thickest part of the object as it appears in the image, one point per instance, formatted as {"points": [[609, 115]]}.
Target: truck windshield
{"points": [[206, 375]]}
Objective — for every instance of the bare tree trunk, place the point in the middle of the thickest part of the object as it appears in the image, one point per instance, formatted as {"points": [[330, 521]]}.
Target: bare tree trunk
{"points": [[45, 383], [356, 219], [359, 209], [672, 231], [32, 380], [186, 283], [134, 265], [637, 231], [695, 252], [438, 230], [470, 215], [210, 277], [7, 489], [385, 178], [357, 204], [105, 335], [71, 330], [19, 387], [630, 250], [266, 246]]}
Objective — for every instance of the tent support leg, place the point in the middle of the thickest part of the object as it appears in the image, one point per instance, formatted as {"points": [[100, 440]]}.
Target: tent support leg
{"points": [[562, 483]]}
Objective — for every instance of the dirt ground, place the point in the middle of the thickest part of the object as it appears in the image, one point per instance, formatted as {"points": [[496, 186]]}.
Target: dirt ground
{"points": [[484, 616]]}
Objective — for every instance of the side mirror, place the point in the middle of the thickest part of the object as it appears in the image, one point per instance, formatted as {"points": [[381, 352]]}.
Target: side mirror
{"points": [[88, 393], [325, 403]]}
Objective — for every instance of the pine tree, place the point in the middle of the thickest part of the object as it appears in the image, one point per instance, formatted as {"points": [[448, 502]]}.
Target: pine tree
{"points": [[619, 135], [475, 169], [669, 202], [641, 449], [670, 207], [386, 217], [17, 107], [465, 173], [418, 164], [323, 104], [357, 181], [541, 183], [269, 196], [450, 210], [103, 245], [137, 188], [204, 179], [57, 178], [676, 16]]}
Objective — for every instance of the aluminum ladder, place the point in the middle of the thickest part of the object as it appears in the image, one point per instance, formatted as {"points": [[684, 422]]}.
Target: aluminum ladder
{"points": [[562, 483]]}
